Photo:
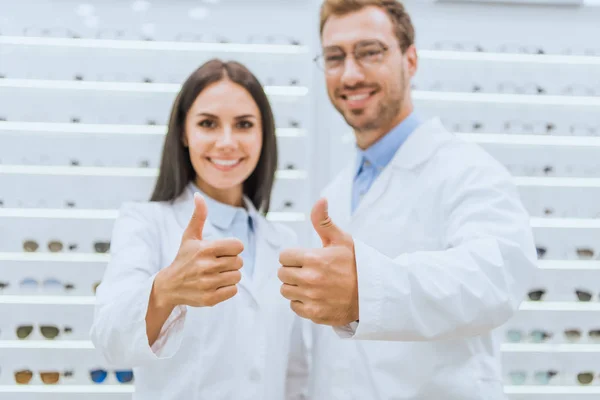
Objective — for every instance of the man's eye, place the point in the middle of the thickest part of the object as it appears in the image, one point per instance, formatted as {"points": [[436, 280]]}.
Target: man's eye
{"points": [[369, 52], [334, 58]]}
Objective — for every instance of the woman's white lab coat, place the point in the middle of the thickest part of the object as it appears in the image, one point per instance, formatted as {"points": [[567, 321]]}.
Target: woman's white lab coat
{"points": [[444, 255], [247, 347]]}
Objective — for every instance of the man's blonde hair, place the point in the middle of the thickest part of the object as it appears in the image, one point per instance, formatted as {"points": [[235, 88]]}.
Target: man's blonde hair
{"points": [[403, 27]]}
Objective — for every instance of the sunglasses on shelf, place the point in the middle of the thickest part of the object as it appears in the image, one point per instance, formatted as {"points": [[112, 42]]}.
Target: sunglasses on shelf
{"points": [[100, 375], [583, 295], [101, 247], [536, 295], [47, 331], [574, 335], [54, 246], [23, 377], [585, 378], [585, 253]]}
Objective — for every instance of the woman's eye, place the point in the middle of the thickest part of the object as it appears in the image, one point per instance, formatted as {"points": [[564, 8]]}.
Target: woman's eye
{"points": [[207, 123], [245, 124]]}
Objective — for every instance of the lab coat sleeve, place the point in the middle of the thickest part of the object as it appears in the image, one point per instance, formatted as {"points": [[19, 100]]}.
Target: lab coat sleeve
{"points": [[298, 362], [119, 325], [473, 286]]}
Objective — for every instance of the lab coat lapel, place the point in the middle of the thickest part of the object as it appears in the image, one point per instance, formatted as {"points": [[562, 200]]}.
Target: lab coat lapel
{"points": [[418, 148]]}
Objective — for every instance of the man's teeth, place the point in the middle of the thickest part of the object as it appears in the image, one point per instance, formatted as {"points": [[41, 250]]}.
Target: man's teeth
{"points": [[225, 163], [355, 97]]}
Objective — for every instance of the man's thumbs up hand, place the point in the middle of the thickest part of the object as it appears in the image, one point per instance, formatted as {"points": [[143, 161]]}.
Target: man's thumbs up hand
{"points": [[324, 226], [322, 283]]}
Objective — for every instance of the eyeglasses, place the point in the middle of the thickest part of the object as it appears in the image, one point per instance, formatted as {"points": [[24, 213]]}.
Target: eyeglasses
{"points": [[539, 377], [100, 375], [47, 331], [101, 247], [366, 54], [47, 284], [23, 377], [54, 246], [585, 378], [573, 335], [535, 336], [583, 295], [536, 295]]}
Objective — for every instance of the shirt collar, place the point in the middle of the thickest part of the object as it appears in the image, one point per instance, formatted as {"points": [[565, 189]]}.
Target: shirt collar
{"points": [[223, 215], [380, 153]]}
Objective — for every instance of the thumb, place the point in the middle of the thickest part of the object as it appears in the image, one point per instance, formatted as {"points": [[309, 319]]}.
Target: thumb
{"points": [[196, 224], [324, 226]]}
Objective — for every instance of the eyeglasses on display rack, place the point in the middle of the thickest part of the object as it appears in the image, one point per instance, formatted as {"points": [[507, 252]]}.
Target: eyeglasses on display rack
{"points": [[539, 377], [23, 377], [3, 285], [100, 375], [122, 34], [585, 378], [535, 336], [584, 295], [574, 335], [56, 246], [47, 331], [536, 295], [46, 284], [509, 48]]}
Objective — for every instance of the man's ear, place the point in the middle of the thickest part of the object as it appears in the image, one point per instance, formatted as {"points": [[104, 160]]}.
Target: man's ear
{"points": [[412, 60]]}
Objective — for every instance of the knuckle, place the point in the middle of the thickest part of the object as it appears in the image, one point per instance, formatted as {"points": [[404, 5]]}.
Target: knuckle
{"points": [[312, 258], [313, 277], [312, 294]]}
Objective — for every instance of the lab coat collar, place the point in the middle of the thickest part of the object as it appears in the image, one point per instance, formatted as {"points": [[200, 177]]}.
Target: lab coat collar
{"points": [[422, 144], [184, 207]]}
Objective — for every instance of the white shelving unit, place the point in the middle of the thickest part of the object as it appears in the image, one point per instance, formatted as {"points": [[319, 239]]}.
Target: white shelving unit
{"points": [[80, 113]]}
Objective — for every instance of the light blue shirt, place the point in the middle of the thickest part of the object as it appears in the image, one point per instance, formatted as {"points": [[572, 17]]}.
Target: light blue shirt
{"points": [[370, 162], [234, 222]]}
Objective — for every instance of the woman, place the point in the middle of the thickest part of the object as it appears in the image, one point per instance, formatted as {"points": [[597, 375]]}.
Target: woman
{"points": [[191, 298]]}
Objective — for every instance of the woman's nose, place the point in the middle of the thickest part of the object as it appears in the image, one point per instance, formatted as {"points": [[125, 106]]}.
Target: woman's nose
{"points": [[226, 138]]}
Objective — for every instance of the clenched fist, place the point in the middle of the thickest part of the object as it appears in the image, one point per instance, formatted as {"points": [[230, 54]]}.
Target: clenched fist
{"points": [[204, 273], [322, 283]]}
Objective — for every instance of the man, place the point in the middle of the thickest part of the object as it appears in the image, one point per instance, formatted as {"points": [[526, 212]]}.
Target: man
{"points": [[426, 248]]}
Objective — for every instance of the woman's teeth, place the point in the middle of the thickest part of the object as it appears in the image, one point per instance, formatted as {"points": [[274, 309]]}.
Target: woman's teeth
{"points": [[224, 163]]}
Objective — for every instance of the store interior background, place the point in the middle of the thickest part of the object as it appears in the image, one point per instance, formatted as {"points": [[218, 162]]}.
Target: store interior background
{"points": [[86, 90]]}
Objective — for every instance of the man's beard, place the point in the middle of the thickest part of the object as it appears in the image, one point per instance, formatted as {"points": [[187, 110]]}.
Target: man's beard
{"points": [[387, 111]]}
